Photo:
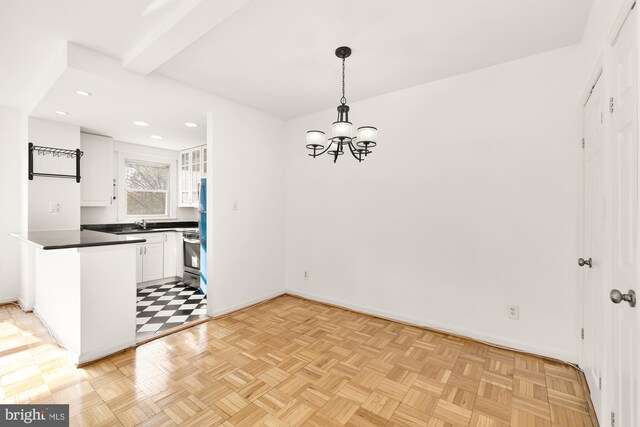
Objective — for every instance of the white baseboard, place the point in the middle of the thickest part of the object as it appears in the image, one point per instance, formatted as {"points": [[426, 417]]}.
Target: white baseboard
{"points": [[75, 357], [90, 357], [474, 335], [8, 300], [220, 312], [24, 305]]}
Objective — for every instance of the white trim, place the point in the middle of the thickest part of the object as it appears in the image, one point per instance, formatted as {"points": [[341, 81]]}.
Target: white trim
{"points": [[9, 300], [25, 307], [90, 357], [542, 351], [172, 192], [618, 23], [220, 312], [56, 337]]}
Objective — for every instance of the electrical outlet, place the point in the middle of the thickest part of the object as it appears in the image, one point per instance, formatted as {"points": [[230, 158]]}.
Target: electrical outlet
{"points": [[235, 206], [55, 207], [306, 275], [513, 312]]}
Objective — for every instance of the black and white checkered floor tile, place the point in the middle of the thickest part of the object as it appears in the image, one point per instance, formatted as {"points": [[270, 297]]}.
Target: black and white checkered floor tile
{"points": [[162, 307]]}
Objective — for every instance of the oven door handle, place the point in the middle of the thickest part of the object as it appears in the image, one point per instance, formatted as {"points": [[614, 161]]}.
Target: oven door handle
{"points": [[191, 241]]}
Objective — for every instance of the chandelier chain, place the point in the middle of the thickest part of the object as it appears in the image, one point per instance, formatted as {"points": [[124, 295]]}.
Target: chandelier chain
{"points": [[343, 100]]}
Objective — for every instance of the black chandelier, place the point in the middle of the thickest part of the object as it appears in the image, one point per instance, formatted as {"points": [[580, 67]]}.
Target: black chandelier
{"points": [[342, 129]]}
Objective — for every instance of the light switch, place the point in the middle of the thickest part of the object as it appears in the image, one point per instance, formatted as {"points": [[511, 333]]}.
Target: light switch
{"points": [[55, 207]]}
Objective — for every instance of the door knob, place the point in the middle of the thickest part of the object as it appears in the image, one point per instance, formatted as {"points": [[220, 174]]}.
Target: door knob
{"points": [[582, 262], [617, 297]]}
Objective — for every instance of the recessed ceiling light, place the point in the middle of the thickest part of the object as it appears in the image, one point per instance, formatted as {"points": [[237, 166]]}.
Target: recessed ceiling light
{"points": [[156, 137], [191, 125], [143, 124], [62, 113], [83, 93]]}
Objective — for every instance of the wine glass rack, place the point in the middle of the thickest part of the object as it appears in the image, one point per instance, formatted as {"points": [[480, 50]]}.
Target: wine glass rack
{"points": [[55, 152]]}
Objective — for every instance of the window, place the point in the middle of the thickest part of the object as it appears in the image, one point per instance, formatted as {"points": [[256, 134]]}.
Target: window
{"points": [[146, 185]]}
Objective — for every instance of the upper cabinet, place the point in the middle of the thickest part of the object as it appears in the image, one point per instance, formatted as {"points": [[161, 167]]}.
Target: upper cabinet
{"points": [[193, 167], [96, 169]]}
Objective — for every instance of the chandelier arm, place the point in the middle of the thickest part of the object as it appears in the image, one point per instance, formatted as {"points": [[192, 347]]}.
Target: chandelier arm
{"points": [[325, 150], [359, 159]]}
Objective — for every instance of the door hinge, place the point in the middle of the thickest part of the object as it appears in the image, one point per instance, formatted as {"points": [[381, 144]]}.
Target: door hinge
{"points": [[613, 419], [599, 383], [601, 117], [582, 142], [582, 333], [611, 105]]}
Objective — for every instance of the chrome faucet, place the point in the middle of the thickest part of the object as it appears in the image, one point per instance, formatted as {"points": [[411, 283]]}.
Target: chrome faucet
{"points": [[142, 224]]}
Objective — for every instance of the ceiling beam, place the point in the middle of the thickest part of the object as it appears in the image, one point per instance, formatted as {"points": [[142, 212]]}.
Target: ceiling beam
{"points": [[193, 20]]}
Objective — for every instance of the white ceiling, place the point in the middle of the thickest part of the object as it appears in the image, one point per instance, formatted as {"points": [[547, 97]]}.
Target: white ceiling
{"points": [[114, 105], [274, 55], [278, 55], [32, 33]]}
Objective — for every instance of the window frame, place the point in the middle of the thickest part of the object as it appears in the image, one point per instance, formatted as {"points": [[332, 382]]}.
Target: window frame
{"points": [[153, 161]]}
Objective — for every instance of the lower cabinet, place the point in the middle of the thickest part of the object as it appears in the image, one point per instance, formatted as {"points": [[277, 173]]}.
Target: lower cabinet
{"points": [[157, 258], [153, 261], [139, 254], [170, 254]]}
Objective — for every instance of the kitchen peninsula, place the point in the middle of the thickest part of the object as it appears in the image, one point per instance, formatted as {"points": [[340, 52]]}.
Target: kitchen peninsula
{"points": [[85, 289]]}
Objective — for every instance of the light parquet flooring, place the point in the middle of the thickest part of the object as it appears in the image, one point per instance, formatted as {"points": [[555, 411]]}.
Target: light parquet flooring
{"points": [[292, 362]]}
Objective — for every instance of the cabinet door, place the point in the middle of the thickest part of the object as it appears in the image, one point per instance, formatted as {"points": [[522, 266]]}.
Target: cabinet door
{"points": [[96, 170], [139, 250], [185, 179], [196, 174], [179, 255], [204, 161], [152, 261], [170, 258]]}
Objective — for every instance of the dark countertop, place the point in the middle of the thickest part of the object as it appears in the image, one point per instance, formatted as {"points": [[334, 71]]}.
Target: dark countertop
{"points": [[152, 227], [66, 239]]}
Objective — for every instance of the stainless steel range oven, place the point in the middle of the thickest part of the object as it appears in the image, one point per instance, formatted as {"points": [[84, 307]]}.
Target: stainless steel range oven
{"points": [[191, 250]]}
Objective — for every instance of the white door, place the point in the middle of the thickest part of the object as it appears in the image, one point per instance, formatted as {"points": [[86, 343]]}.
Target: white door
{"points": [[594, 286], [153, 261], [624, 358]]}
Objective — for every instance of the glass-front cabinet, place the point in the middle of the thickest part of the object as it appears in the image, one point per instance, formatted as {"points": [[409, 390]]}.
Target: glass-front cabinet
{"points": [[193, 167]]}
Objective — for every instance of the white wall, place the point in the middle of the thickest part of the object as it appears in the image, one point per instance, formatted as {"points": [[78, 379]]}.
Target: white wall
{"points": [[467, 205], [109, 214], [246, 246], [12, 187], [43, 190]]}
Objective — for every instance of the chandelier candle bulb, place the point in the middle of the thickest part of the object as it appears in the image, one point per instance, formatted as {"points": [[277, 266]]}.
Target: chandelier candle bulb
{"points": [[341, 130]]}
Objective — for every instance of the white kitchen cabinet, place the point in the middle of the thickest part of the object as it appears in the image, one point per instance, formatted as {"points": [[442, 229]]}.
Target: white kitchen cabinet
{"points": [[170, 254], [192, 166], [152, 261], [139, 250], [96, 170], [179, 255]]}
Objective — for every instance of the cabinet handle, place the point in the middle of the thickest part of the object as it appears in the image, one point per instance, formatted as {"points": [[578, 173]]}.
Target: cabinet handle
{"points": [[145, 250], [140, 250]]}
